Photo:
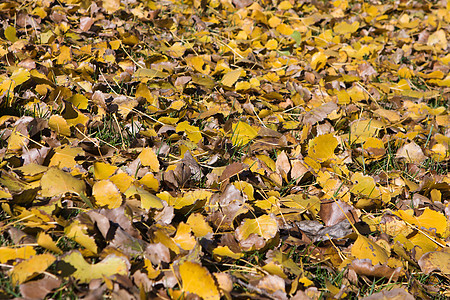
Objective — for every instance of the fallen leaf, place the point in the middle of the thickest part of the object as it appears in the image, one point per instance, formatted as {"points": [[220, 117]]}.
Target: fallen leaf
{"points": [[85, 272]]}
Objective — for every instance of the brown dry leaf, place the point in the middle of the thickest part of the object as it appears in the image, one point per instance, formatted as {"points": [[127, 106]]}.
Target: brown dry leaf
{"points": [[435, 261], [38, 289], [411, 153], [394, 294], [225, 207]]}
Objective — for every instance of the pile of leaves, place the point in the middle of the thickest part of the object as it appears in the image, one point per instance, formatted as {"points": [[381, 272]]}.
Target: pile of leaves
{"points": [[224, 149]]}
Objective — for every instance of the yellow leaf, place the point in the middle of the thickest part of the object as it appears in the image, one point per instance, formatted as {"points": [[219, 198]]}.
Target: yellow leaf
{"points": [[274, 21], [363, 248], [56, 182], [285, 29], [45, 240], [197, 280], [365, 186], [198, 224], [272, 44], [149, 159], [190, 198], [243, 86], [318, 60], [193, 133], [374, 147], [107, 194], [103, 170], [16, 141], [79, 101], [221, 251], [86, 272], [7, 253], [321, 148], [10, 34], [151, 272], [183, 237], [362, 129], [20, 76], [430, 220], [148, 200], [32, 267], [231, 77], [149, 74], [264, 226], [64, 157], [64, 56], [150, 181], [59, 125], [284, 5], [77, 232], [344, 27], [122, 181], [438, 40], [198, 64], [242, 133], [111, 6]]}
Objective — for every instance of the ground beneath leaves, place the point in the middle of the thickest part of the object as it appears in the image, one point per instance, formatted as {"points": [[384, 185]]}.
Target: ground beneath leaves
{"points": [[224, 149]]}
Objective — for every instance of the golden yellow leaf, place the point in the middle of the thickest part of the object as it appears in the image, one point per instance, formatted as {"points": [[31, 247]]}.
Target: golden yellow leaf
{"points": [[111, 6], [148, 200], [362, 129], [56, 182], [365, 186], [190, 198], [321, 148], [122, 181], [103, 170], [31, 267], [438, 40], [45, 240], [264, 226], [79, 101], [183, 238], [20, 76], [149, 159], [344, 27], [150, 181], [7, 253], [59, 125], [224, 251], [193, 133], [86, 272], [16, 141], [364, 248], [199, 226], [242, 133], [107, 194], [64, 56], [272, 44], [318, 60], [231, 77], [197, 280], [78, 232]]}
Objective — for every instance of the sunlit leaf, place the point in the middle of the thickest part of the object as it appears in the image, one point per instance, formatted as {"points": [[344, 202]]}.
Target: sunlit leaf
{"points": [[197, 280], [86, 272], [31, 267]]}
